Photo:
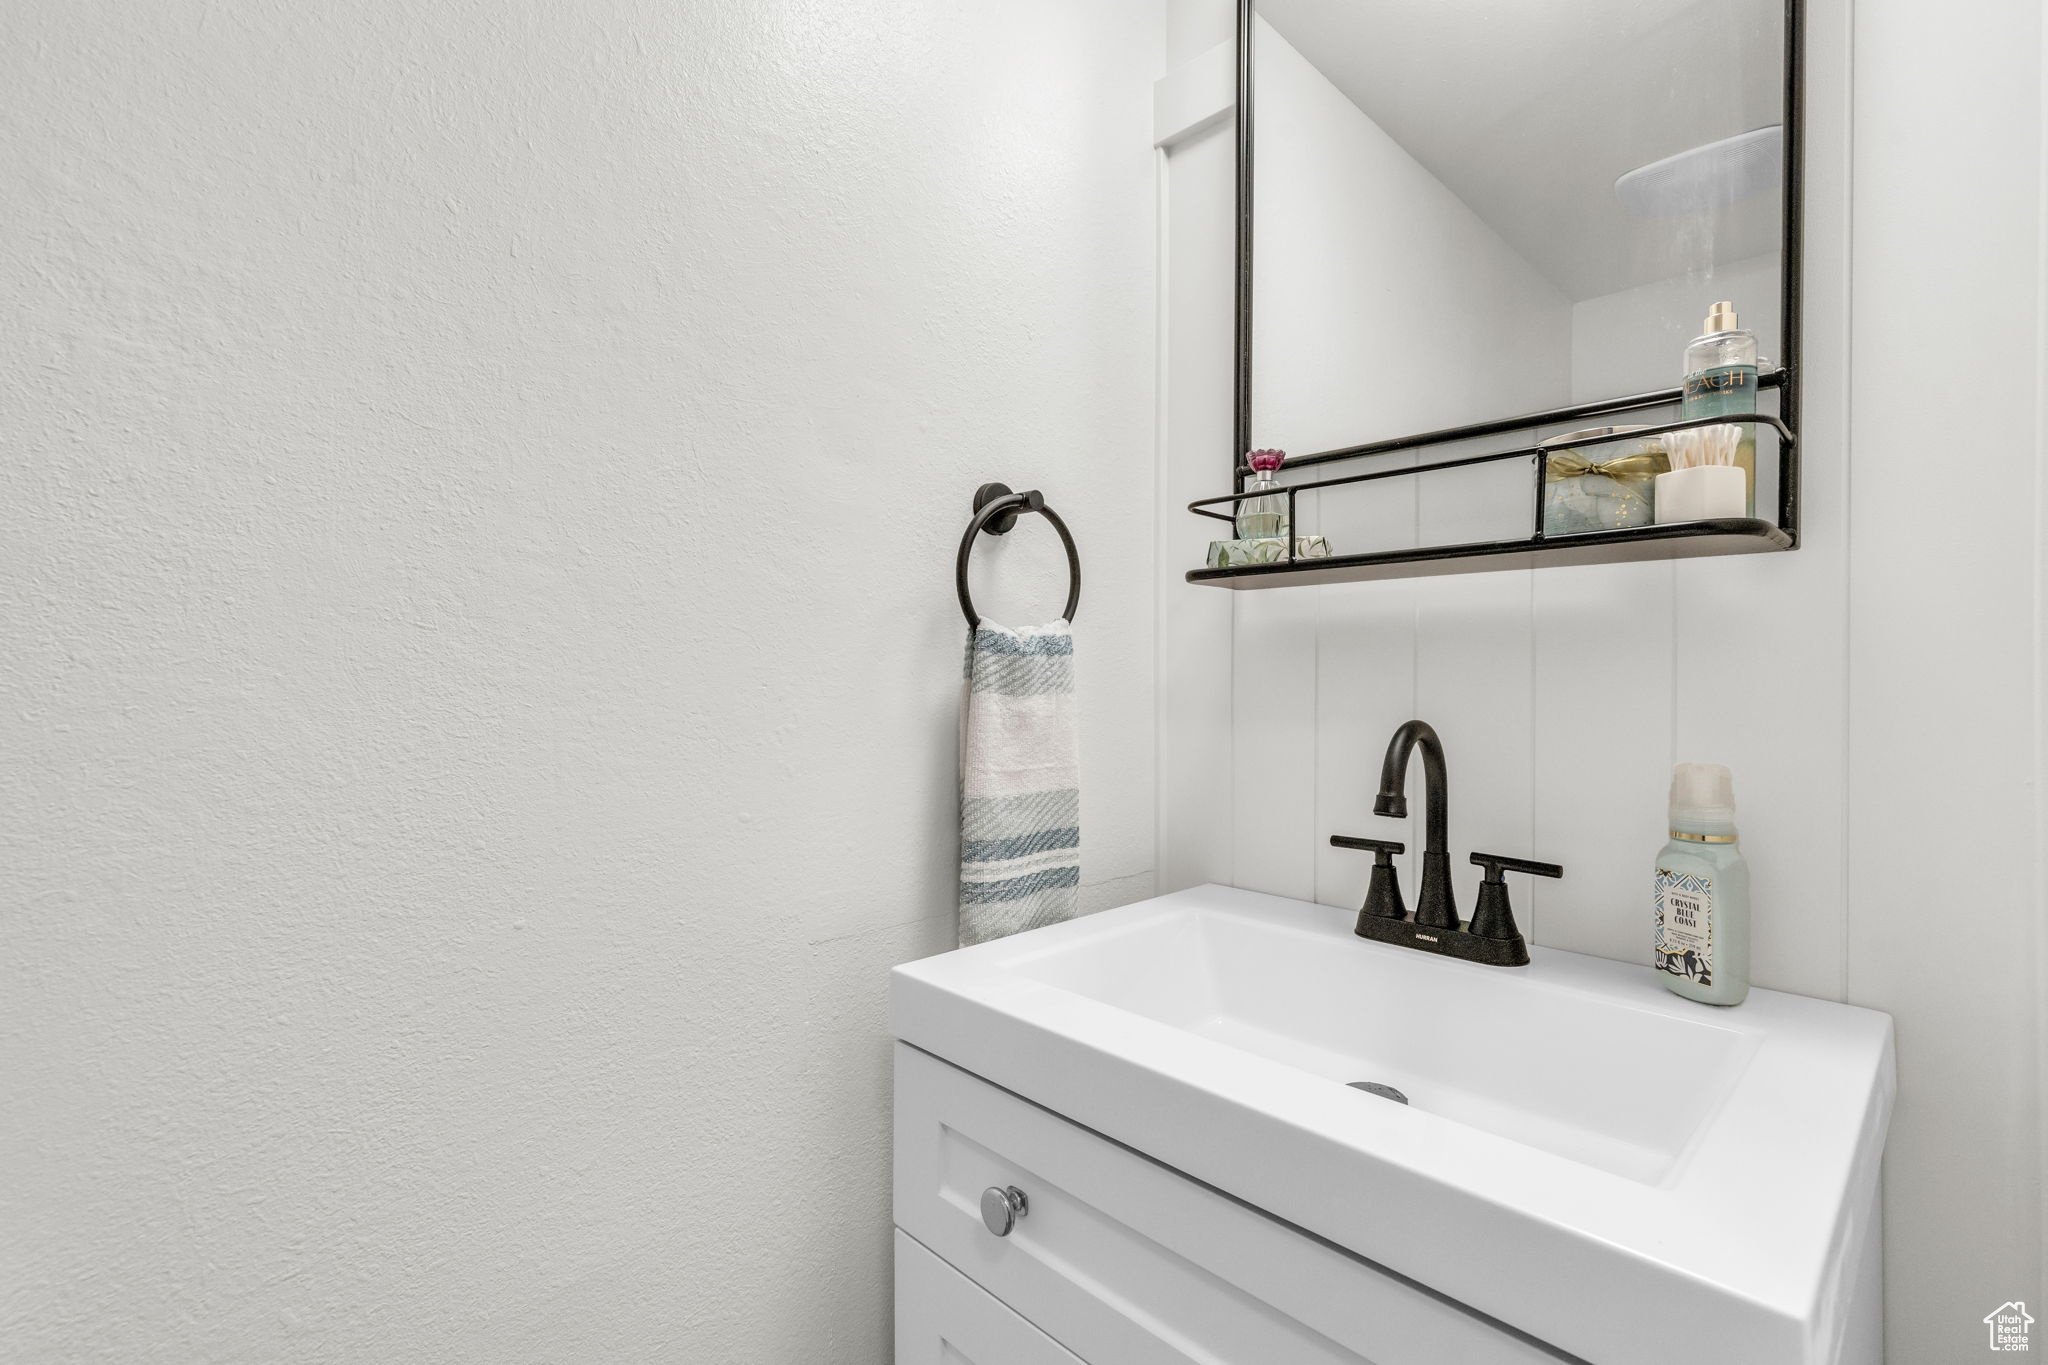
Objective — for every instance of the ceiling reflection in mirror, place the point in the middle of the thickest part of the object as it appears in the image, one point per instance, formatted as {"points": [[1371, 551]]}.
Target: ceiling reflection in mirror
{"points": [[1465, 210]]}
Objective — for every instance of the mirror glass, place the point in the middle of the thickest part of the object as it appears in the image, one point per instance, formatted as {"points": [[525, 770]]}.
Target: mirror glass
{"points": [[1466, 210]]}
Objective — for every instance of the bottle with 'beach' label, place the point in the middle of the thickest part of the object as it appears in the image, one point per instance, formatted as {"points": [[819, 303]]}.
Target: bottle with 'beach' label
{"points": [[1720, 379]]}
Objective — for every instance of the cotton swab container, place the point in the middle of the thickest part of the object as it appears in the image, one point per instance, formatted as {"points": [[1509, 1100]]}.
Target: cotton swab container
{"points": [[1705, 482]]}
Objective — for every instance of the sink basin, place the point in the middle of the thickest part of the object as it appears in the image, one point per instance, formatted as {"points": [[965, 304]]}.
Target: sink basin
{"points": [[1588, 1076], [1583, 1155]]}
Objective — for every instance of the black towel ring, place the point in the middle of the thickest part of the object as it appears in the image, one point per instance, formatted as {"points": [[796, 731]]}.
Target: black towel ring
{"points": [[995, 511]]}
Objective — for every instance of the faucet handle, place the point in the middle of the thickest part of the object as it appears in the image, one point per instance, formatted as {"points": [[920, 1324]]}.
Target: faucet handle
{"points": [[1383, 894], [1492, 916], [1383, 847], [1497, 863]]}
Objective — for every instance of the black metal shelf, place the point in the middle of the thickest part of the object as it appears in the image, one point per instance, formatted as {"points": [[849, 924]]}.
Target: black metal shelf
{"points": [[1673, 540], [1668, 540]]}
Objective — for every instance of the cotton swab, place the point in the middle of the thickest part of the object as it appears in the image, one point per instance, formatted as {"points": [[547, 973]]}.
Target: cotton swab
{"points": [[1715, 445]]}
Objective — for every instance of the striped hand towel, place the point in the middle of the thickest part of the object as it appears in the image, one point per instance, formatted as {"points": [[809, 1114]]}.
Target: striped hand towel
{"points": [[1020, 792]]}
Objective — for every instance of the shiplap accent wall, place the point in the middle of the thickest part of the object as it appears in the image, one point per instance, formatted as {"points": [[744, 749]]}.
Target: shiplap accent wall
{"points": [[1877, 693]]}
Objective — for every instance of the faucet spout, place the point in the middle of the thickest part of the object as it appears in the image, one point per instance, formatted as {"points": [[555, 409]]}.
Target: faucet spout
{"points": [[1435, 907], [1393, 800]]}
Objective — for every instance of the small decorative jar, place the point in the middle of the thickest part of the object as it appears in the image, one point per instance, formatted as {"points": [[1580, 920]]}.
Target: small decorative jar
{"points": [[1238, 554], [1603, 487]]}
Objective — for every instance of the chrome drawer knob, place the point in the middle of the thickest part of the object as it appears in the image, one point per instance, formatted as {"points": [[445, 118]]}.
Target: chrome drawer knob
{"points": [[1001, 1207]]}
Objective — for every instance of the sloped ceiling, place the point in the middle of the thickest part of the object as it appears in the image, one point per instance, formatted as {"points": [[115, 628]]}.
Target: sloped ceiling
{"points": [[1529, 109]]}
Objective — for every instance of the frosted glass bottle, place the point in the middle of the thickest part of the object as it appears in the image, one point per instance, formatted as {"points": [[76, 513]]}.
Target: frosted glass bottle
{"points": [[1701, 897]]}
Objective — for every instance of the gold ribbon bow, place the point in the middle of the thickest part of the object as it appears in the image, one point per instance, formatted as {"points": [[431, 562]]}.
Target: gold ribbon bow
{"points": [[1569, 464]]}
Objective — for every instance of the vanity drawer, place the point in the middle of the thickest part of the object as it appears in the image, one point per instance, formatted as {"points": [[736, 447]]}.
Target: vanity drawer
{"points": [[1123, 1260], [944, 1318]]}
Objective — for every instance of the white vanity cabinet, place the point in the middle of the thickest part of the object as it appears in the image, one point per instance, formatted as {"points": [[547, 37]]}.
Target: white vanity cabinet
{"points": [[943, 1319], [1238, 1134], [1118, 1260]]}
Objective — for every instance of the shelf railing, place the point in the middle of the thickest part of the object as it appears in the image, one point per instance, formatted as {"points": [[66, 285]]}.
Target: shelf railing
{"points": [[1576, 412]]}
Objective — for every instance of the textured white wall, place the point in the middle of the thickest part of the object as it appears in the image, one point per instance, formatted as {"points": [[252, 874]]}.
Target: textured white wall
{"points": [[480, 490], [1878, 693]]}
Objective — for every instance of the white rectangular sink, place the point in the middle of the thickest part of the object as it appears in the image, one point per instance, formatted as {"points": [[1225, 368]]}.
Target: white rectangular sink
{"points": [[1584, 1156], [1591, 1078]]}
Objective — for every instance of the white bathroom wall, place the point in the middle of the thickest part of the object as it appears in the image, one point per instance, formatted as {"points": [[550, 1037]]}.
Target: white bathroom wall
{"points": [[1877, 693], [1458, 320], [480, 497], [1947, 848], [1196, 687]]}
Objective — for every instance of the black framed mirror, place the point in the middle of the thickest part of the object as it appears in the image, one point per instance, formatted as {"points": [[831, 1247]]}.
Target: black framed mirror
{"points": [[1457, 220]]}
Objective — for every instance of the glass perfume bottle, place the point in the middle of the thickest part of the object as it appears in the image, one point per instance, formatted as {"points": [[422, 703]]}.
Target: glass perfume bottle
{"points": [[1720, 380], [1264, 516]]}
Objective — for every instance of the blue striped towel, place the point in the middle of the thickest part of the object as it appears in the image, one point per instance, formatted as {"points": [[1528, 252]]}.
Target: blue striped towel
{"points": [[1020, 782]]}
